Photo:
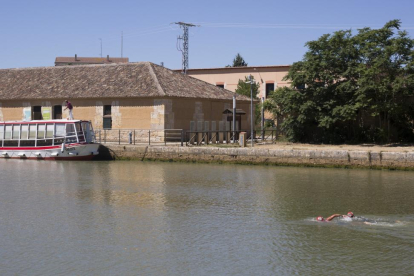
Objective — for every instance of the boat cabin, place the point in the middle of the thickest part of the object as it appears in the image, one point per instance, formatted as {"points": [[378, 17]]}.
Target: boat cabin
{"points": [[41, 133]]}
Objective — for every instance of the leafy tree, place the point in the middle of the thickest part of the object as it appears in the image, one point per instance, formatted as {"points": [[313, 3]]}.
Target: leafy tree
{"points": [[238, 61], [243, 87], [351, 88]]}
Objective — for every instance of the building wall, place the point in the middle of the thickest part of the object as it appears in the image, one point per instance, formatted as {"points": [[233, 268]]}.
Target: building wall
{"points": [[126, 113], [140, 113], [229, 77], [196, 111]]}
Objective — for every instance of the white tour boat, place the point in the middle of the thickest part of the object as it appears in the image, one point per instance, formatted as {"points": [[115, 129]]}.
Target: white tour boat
{"points": [[48, 140]]}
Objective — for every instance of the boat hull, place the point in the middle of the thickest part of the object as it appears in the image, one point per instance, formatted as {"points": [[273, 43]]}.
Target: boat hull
{"points": [[68, 152]]}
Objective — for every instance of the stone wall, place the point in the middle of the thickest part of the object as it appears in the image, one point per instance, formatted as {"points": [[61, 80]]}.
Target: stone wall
{"points": [[322, 158]]}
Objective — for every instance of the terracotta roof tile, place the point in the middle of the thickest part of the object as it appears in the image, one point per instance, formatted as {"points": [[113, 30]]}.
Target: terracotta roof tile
{"points": [[122, 80]]}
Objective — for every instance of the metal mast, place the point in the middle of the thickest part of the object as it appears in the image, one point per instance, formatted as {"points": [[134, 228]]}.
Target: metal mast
{"points": [[184, 48]]}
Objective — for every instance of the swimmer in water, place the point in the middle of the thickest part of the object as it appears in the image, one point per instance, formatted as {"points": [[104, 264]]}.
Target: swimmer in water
{"points": [[351, 217], [321, 219]]}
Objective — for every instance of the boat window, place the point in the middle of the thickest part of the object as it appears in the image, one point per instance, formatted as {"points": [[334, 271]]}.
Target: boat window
{"points": [[25, 132], [79, 130], [41, 131], [59, 141], [44, 142], [60, 130], [1, 132], [27, 143], [16, 132], [8, 132], [70, 129], [32, 131], [11, 143], [49, 131]]}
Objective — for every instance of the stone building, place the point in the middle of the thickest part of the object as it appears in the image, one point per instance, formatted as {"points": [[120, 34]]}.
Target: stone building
{"points": [[269, 77], [118, 96]]}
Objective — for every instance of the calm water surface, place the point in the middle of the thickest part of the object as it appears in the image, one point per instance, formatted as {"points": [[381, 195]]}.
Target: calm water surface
{"points": [[139, 218]]}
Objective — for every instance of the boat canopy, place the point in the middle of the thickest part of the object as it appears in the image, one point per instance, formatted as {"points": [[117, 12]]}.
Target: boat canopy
{"points": [[45, 133]]}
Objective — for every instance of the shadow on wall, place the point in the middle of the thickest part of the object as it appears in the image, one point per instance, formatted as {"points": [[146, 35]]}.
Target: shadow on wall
{"points": [[105, 154]]}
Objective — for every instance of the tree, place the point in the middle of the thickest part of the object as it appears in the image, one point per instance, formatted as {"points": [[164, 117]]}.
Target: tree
{"points": [[238, 61], [351, 88], [243, 88]]}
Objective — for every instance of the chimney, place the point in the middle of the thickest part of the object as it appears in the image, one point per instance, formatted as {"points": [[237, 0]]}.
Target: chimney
{"points": [[162, 64], [76, 57], [107, 58]]}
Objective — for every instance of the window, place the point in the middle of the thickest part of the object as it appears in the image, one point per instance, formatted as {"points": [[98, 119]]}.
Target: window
{"points": [[16, 132], [37, 113], [49, 130], [41, 131], [8, 132], [107, 110], [57, 112], [270, 87], [1, 132], [60, 130], [220, 85], [71, 134], [107, 117], [25, 131], [79, 131], [32, 132]]}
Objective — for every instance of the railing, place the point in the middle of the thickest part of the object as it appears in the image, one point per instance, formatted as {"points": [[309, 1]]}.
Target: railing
{"points": [[181, 137], [268, 136], [139, 136]]}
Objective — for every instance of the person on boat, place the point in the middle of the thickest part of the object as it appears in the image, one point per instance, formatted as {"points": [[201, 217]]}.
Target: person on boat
{"points": [[322, 219], [70, 107]]}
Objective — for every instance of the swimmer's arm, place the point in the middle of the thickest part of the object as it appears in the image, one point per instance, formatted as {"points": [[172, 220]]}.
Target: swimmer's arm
{"points": [[332, 217]]}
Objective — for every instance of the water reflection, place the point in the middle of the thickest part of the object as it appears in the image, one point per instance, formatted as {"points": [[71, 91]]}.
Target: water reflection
{"points": [[131, 218]]}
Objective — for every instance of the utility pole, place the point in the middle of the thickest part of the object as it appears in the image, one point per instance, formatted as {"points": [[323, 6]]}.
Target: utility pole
{"points": [[101, 46], [251, 108], [184, 48]]}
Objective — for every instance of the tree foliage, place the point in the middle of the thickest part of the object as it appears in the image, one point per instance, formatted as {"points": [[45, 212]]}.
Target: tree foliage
{"points": [[243, 87], [238, 61], [351, 88]]}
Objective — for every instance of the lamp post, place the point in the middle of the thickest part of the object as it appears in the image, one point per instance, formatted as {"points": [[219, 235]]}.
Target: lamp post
{"points": [[234, 119], [251, 109]]}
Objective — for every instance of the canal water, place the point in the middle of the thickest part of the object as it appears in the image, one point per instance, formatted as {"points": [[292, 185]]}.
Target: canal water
{"points": [[149, 218]]}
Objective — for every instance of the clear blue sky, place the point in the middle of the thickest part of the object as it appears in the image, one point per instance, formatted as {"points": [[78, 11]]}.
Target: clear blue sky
{"points": [[270, 32]]}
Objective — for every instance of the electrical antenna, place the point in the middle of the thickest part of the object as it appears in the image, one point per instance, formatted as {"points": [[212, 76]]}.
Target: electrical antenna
{"points": [[184, 48], [122, 44], [101, 46]]}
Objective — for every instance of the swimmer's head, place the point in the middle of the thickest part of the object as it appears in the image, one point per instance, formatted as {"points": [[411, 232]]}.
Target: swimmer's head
{"points": [[320, 219], [350, 214]]}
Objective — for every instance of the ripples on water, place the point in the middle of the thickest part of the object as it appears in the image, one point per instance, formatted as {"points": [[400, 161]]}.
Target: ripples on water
{"points": [[138, 218]]}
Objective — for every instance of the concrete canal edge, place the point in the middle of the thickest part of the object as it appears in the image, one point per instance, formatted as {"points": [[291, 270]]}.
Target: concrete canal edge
{"points": [[295, 157]]}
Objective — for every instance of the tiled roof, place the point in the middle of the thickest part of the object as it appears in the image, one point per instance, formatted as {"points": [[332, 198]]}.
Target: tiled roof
{"points": [[89, 60], [248, 68], [123, 80]]}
